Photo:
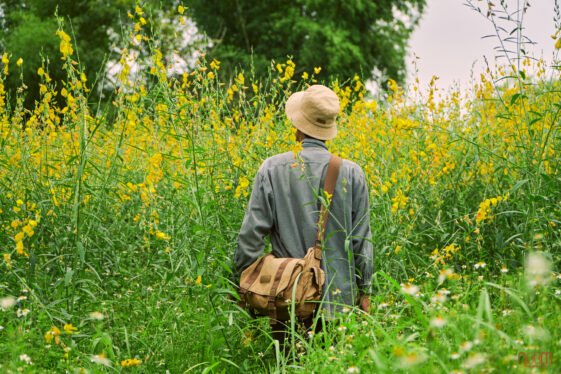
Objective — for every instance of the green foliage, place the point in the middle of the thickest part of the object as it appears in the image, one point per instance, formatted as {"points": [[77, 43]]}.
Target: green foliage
{"points": [[28, 32], [342, 37]]}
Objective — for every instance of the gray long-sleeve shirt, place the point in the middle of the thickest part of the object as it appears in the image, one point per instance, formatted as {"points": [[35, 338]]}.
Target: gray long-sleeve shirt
{"points": [[284, 205]]}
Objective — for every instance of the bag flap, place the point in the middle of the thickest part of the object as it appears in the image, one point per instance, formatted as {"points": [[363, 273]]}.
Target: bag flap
{"points": [[266, 278]]}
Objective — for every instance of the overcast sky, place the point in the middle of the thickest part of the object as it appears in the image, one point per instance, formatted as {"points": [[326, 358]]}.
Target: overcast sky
{"points": [[448, 39]]}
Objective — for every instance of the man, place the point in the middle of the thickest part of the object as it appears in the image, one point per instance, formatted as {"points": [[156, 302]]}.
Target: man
{"points": [[284, 205]]}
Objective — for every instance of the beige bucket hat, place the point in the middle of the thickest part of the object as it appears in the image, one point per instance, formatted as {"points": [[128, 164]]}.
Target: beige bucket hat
{"points": [[313, 111]]}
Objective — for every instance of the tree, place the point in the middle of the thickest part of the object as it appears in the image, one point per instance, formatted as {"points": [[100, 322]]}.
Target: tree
{"points": [[28, 31], [343, 37]]}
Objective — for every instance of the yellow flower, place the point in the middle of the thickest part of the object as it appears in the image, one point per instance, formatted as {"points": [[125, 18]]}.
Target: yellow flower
{"points": [[53, 333], [180, 9], [131, 362], [65, 45], [70, 329], [8, 260], [199, 280], [20, 249], [317, 70], [19, 62], [162, 235]]}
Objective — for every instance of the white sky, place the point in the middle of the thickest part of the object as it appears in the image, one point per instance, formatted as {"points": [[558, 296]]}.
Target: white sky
{"points": [[448, 39]]}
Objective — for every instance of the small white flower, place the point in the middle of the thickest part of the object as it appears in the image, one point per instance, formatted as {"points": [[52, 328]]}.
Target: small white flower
{"points": [[537, 333], [101, 360], [7, 302], [410, 289], [466, 346], [455, 356], [507, 312], [439, 298], [345, 310], [336, 292], [97, 316], [22, 312], [353, 369], [383, 305], [538, 269], [411, 359], [342, 328], [25, 358], [480, 265], [438, 322], [558, 292], [504, 270], [474, 360], [1, 328], [21, 298]]}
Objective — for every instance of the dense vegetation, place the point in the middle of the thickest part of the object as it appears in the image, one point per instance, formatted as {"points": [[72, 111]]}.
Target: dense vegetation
{"points": [[117, 231]]}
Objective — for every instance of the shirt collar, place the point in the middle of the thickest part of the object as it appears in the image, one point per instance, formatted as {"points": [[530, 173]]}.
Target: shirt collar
{"points": [[313, 143]]}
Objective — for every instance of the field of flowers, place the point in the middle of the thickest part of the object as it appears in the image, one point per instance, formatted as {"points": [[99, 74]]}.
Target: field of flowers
{"points": [[118, 224]]}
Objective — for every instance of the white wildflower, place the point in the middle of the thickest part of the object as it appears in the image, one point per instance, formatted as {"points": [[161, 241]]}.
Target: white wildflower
{"points": [[411, 359], [466, 346], [480, 265], [410, 289], [22, 312], [474, 360], [25, 358], [538, 269], [438, 322], [97, 316], [7, 302], [537, 333], [353, 369], [101, 360]]}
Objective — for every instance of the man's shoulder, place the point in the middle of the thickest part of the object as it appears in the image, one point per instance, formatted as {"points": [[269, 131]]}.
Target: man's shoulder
{"points": [[353, 167], [277, 160]]}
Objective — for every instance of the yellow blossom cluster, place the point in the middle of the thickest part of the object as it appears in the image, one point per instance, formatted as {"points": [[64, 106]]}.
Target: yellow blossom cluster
{"points": [[129, 362], [440, 256], [484, 213]]}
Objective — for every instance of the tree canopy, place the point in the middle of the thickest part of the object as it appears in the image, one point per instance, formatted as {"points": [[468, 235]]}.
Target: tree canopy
{"points": [[28, 31], [344, 38]]}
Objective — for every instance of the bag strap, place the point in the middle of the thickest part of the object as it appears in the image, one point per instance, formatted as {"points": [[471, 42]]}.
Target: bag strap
{"points": [[273, 294], [329, 187]]}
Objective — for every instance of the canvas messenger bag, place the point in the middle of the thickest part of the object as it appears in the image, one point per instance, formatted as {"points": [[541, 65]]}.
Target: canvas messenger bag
{"points": [[271, 286]]}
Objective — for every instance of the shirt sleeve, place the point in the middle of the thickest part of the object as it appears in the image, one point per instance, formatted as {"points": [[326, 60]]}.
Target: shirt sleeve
{"points": [[257, 223], [361, 238]]}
